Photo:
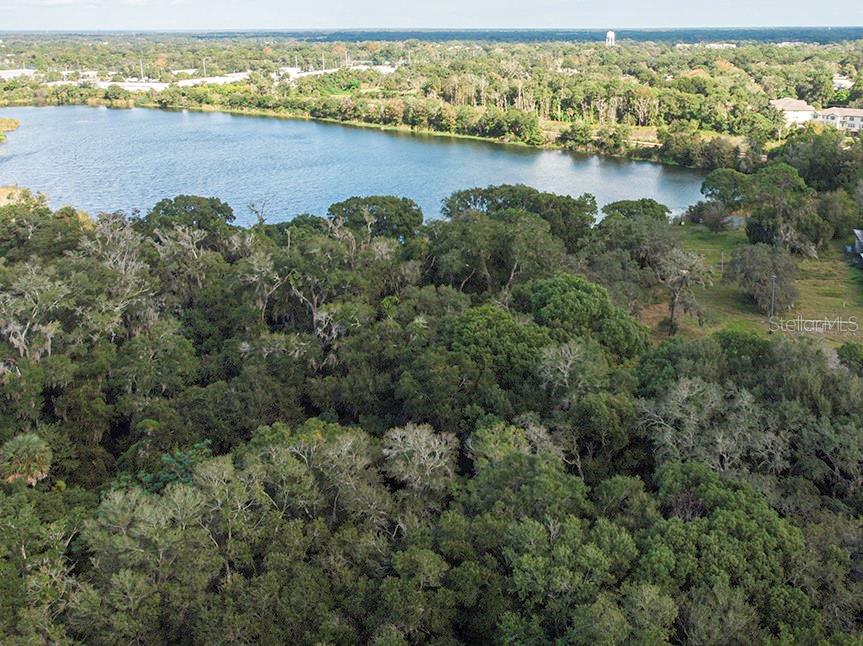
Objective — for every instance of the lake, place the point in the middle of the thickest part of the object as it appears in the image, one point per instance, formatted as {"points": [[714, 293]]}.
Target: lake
{"points": [[98, 159]]}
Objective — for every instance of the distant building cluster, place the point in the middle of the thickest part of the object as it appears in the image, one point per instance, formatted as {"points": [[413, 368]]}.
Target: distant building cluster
{"points": [[144, 84], [706, 45], [798, 112]]}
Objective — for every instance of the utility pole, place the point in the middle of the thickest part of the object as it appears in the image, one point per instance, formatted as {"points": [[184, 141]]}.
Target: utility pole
{"points": [[323, 63], [141, 61], [773, 296], [205, 66]]}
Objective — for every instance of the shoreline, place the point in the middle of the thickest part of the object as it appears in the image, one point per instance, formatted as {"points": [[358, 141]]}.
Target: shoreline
{"points": [[604, 166], [631, 155]]}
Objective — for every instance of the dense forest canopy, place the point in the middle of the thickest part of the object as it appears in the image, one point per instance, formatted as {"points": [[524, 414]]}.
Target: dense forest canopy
{"points": [[362, 427], [696, 105]]}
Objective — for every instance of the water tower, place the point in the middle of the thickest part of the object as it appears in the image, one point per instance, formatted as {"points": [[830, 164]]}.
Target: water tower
{"points": [[610, 39]]}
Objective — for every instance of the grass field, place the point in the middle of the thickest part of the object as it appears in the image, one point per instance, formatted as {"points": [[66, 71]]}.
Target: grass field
{"points": [[7, 125], [829, 288]]}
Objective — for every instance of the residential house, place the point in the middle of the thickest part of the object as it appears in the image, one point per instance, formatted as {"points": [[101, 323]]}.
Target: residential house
{"points": [[796, 112], [846, 119]]}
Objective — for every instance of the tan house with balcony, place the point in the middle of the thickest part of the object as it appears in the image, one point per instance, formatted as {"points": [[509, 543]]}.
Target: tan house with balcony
{"points": [[846, 119]]}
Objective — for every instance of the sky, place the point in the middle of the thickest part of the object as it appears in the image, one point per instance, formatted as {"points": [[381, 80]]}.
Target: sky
{"points": [[400, 14]]}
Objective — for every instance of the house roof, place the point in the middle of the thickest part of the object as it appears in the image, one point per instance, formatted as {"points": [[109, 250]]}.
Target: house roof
{"points": [[843, 112], [858, 233], [791, 105]]}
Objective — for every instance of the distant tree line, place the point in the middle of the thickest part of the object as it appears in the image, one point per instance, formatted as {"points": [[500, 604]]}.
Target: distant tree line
{"points": [[696, 106]]}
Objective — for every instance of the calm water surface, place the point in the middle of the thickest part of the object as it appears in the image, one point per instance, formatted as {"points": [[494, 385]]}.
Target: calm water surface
{"points": [[104, 160]]}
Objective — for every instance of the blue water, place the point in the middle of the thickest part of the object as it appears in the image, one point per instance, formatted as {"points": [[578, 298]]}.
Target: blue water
{"points": [[98, 159]]}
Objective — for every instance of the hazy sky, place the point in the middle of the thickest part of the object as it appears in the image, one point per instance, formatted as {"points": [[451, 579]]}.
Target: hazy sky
{"points": [[291, 14]]}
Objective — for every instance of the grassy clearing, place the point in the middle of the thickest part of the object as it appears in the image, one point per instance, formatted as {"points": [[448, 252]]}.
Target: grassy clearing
{"points": [[8, 125], [829, 288]]}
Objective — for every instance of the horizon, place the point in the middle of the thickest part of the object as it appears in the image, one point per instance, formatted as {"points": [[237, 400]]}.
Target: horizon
{"points": [[253, 30], [347, 15], [408, 31]]}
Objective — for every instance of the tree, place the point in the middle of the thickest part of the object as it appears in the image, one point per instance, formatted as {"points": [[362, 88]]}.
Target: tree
{"points": [[719, 615], [851, 356], [726, 186], [724, 429], [783, 211], [820, 158], [579, 135], [573, 307], [766, 274], [643, 208], [395, 217], [493, 252], [502, 348], [25, 457], [613, 139], [713, 215], [840, 211], [30, 304], [526, 248], [420, 458], [210, 215], [680, 272], [570, 218]]}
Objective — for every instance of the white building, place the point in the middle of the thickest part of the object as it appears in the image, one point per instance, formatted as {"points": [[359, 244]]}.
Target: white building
{"points": [[847, 119], [233, 77], [8, 75], [796, 112], [706, 45], [134, 86], [610, 39], [383, 70]]}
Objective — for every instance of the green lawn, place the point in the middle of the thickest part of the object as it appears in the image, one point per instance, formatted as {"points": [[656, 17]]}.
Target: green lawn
{"points": [[716, 248], [829, 288]]}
